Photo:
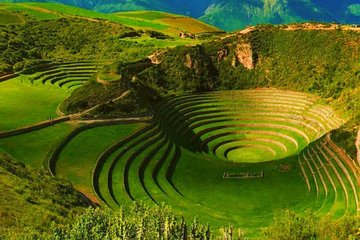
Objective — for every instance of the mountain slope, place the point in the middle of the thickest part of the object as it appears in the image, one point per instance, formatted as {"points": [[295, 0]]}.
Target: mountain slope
{"points": [[234, 14], [239, 14]]}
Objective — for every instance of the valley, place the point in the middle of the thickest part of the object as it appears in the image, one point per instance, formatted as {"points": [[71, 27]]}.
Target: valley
{"points": [[164, 110]]}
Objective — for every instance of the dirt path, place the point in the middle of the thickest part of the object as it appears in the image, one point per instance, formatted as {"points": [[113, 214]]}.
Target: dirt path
{"points": [[117, 120], [73, 117], [8, 77], [35, 126], [99, 80], [124, 94]]}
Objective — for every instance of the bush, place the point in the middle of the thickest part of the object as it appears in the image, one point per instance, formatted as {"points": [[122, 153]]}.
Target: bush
{"points": [[18, 66], [157, 35], [291, 226], [131, 34], [137, 222]]}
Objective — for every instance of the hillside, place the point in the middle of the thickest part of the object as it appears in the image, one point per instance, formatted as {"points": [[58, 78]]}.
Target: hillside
{"points": [[33, 201], [146, 20], [109, 35], [231, 14], [257, 130]]}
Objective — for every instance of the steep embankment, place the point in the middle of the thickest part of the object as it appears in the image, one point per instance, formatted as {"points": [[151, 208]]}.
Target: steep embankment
{"points": [[31, 201]]}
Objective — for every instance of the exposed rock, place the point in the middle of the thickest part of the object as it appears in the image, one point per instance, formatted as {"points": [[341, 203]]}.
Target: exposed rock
{"points": [[244, 55], [188, 61], [156, 57], [187, 35], [234, 62], [198, 70], [222, 53]]}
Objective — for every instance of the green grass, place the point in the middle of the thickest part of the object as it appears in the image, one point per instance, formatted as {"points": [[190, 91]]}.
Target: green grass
{"points": [[31, 11], [164, 164], [28, 104], [148, 15], [246, 200], [34, 148], [139, 20], [7, 17], [76, 162], [44, 11], [33, 201]]}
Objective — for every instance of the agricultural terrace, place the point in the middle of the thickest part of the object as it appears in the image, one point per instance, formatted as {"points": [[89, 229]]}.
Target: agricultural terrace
{"points": [[258, 151], [66, 75]]}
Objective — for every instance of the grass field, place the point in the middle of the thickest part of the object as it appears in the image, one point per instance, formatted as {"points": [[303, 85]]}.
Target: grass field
{"points": [[234, 157], [38, 143], [176, 22], [164, 22], [186, 145], [27, 103], [76, 164]]}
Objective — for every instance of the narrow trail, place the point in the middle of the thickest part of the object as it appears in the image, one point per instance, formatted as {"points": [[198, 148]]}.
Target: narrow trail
{"points": [[36, 126], [117, 120], [124, 94], [76, 118], [99, 80], [9, 76]]}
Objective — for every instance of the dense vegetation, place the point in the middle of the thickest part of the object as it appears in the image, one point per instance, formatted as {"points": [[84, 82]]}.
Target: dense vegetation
{"points": [[136, 222], [32, 201], [141, 222], [27, 44], [290, 226]]}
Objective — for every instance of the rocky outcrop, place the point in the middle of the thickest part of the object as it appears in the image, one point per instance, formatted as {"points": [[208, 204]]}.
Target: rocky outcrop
{"points": [[244, 55], [187, 35], [156, 57], [188, 61], [222, 53]]}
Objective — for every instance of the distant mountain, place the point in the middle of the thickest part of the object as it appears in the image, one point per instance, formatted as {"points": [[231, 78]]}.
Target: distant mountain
{"points": [[234, 14]]}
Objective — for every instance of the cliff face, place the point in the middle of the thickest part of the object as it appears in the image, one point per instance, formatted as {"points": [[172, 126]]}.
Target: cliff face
{"points": [[244, 55]]}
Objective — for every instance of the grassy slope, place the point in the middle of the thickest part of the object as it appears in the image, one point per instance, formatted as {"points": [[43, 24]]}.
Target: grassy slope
{"points": [[175, 22], [30, 198], [7, 17], [163, 22], [36, 145], [28, 104], [76, 163]]}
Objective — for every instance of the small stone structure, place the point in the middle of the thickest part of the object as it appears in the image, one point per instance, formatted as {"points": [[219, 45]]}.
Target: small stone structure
{"points": [[243, 175]]}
